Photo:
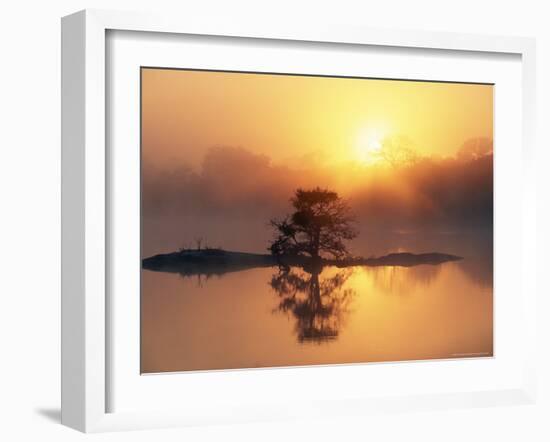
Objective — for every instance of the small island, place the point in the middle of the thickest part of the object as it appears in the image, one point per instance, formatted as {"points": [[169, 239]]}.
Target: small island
{"points": [[218, 261], [312, 237]]}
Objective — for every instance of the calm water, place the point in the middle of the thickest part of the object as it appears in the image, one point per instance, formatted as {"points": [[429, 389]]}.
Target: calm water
{"points": [[264, 317]]}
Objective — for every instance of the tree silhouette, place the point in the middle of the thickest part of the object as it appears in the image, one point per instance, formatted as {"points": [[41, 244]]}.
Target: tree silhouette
{"points": [[319, 226], [398, 151], [475, 148]]}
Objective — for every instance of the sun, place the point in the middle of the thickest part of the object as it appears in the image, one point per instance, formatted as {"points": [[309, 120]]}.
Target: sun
{"points": [[367, 144]]}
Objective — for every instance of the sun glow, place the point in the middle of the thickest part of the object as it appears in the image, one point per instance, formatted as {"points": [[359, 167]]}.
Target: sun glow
{"points": [[368, 145]]}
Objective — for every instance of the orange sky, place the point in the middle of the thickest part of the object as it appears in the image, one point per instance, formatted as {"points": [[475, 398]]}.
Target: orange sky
{"points": [[185, 113]]}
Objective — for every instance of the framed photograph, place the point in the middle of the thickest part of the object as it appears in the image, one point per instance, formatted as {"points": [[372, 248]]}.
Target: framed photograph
{"points": [[265, 223]]}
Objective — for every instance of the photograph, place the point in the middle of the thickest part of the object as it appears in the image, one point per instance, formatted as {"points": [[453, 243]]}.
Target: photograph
{"points": [[293, 220]]}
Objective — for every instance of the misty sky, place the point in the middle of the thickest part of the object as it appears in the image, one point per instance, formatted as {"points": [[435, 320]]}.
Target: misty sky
{"points": [[185, 113]]}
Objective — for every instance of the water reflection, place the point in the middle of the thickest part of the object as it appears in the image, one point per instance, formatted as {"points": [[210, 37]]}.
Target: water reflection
{"points": [[320, 305], [399, 281], [269, 317]]}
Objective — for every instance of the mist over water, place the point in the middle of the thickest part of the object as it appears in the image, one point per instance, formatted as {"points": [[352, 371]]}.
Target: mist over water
{"points": [[168, 233]]}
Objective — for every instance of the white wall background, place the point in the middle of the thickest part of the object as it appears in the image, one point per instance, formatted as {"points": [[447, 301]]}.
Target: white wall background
{"points": [[30, 220]]}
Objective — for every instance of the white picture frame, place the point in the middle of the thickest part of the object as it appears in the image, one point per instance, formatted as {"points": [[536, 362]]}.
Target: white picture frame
{"points": [[86, 205]]}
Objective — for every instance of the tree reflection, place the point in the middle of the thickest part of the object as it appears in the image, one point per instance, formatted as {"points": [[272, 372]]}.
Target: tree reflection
{"points": [[319, 305]]}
